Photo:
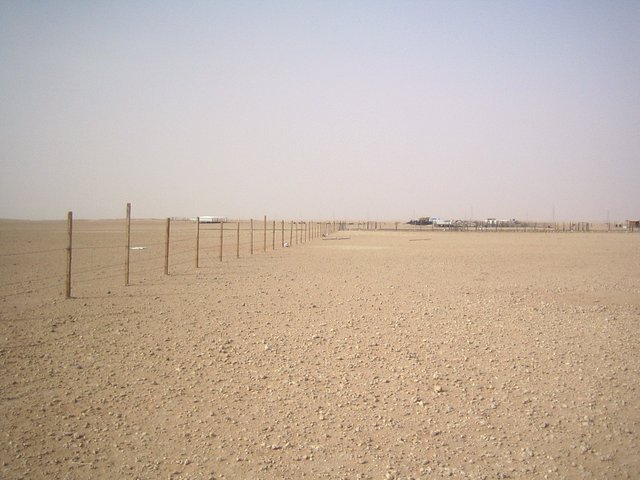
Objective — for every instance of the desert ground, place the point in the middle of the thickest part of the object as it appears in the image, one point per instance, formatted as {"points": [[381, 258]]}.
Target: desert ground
{"points": [[381, 355]]}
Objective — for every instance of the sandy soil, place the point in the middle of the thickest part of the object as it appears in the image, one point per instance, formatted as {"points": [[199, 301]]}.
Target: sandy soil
{"points": [[380, 355]]}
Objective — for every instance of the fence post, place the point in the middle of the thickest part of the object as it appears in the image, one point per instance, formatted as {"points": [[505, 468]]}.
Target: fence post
{"points": [[128, 246], [296, 233], [273, 236], [166, 248], [251, 236], [197, 242], [221, 236], [291, 235], [69, 247], [264, 237], [238, 240]]}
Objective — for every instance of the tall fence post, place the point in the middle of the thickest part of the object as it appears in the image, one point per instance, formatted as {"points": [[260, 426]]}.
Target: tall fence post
{"points": [[221, 237], [197, 242], [282, 233], [166, 247], [238, 240], [128, 246], [264, 236], [273, 236], [69, 250], [291, 235], [252, 236]]}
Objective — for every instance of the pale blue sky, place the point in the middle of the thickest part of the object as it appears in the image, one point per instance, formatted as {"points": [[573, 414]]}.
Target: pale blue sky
{"points": [[371, 110]]}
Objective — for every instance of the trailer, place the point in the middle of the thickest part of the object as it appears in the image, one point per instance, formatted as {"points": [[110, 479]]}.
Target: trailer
{"points": [[210, 219]]}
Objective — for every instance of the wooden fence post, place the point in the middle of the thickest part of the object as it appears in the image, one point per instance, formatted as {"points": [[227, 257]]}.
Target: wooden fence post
{"points": [[128, 246], [197, 242], [238, 240], [166, 248], [251, 236], [69, 249], [221, 237], [282, 233], [291, 235], [264, 238], [273, 236]]}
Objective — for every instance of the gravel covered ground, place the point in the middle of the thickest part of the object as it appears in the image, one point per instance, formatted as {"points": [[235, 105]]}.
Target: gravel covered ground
{"points": [[365, 355]]}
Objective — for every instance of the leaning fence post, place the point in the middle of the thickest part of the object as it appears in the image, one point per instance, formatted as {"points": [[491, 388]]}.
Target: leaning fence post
{"points": [[166, 248], [221, 235], [197, 242], [126, 255], [69, 249]]}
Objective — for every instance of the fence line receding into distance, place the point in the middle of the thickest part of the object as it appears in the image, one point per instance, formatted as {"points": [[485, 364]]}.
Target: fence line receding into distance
{"points": [[90, 250], [88, 254]]}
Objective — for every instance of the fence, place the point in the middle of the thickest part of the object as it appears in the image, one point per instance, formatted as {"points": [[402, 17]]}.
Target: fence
{"points": [[480, 226], [57, 257]]}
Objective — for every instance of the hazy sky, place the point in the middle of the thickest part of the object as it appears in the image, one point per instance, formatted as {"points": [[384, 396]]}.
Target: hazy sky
{"points": [[303, 109]]}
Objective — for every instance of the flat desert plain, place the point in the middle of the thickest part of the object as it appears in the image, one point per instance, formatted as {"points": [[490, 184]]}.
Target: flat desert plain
{"points": [[382, 355]]}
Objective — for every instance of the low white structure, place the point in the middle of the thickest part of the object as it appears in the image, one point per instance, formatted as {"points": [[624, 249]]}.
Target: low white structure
{"points": [[210, 219], [439, 222]]}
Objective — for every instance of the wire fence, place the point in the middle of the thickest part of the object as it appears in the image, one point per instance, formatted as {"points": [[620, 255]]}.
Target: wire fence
{"points": [[492, 226], [58, 258]]}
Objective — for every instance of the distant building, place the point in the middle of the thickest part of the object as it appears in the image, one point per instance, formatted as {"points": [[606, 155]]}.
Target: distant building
{"points": [[494, 222], [439, 222], [420, 221]]}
